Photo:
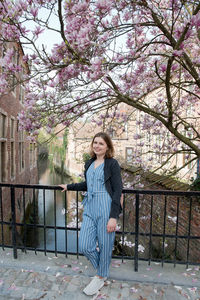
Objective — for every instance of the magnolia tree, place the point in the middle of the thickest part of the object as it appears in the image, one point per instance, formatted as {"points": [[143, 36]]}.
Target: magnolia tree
{"points": [[139, 52]]}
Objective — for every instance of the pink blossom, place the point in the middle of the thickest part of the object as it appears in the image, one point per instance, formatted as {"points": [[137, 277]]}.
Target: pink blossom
{"points": [[38, 30], [195, 20], [178, 53], [137, 136], [105, 41], [34, 11], [104, 5], [115, 20], [163, 67]]}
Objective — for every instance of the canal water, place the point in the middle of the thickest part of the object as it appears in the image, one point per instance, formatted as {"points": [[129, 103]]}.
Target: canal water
{"points": [[48, 212]]}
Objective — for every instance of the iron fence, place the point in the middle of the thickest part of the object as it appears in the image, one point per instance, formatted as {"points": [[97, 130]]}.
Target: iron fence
{"points": [[160, 226]]}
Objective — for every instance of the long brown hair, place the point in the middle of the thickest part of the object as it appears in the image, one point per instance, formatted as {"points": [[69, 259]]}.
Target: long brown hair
{"points": [[107, 140]]}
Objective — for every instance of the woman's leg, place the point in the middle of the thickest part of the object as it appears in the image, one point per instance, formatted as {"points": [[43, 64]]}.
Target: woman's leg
{"points": [[105, 242], [88, 240]]}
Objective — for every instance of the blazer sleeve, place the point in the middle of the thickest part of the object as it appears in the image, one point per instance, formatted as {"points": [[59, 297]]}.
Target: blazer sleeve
{"points": [[116, 184], [81, 186]]}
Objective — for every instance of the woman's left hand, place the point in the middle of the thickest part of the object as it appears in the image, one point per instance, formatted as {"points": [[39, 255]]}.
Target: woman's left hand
{"points": [[111, 226]]}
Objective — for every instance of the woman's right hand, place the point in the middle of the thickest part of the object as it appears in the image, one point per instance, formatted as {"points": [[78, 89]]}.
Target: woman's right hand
{"points": [[64, 187]]}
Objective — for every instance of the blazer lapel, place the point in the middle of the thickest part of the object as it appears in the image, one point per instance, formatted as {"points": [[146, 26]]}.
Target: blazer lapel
{"points": [[107, 173]]}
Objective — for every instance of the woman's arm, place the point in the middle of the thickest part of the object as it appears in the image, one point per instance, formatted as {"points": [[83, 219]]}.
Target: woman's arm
{"points": [[81, 186]]}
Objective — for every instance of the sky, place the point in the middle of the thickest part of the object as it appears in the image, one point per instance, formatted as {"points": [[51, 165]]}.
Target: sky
{"points": [[49, 37]]}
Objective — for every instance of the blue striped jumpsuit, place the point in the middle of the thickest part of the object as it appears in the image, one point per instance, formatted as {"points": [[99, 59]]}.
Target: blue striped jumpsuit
{"points": [[97, 205]]}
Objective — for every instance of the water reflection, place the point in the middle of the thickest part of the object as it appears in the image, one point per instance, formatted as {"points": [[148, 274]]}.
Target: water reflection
{"points": [[52, 212]]}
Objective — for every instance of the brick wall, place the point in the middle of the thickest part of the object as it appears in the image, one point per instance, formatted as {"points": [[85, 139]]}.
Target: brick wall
{"points": [[16, 164], [158, 219]]}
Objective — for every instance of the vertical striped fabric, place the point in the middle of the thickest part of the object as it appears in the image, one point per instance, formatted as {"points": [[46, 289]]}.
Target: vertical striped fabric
{"points": [[93, 233]]}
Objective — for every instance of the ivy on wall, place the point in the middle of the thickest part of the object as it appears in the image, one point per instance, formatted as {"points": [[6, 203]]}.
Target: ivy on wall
{"points": [[58, 150]]}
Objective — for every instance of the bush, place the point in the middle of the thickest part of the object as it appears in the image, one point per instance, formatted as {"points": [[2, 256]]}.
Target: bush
{"points": [[195, 186], [86, 156]]}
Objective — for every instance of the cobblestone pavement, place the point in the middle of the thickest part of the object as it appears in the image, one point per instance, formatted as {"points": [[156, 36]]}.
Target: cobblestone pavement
{"points": [[35, 277]]}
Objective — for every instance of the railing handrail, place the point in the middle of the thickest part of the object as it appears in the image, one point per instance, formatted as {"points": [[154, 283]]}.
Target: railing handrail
{"points": [[125, 190]]}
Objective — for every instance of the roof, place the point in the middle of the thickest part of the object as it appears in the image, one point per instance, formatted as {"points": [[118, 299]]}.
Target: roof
{"points": [[166, 181]]}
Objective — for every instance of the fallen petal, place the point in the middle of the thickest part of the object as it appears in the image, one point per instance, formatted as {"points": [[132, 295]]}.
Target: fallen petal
{"points": [[75, 268], [13, 287], [193, 289], [74, 262], [133, 290], [178, 287]]}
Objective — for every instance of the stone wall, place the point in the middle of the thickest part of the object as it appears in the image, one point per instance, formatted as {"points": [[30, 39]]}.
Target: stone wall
{"points": [[164, 211]]}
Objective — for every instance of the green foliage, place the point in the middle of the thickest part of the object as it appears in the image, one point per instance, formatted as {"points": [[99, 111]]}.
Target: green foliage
{"points": [[195, 186], [86, 156], [56, 149], [65, 140], [42, 137]]}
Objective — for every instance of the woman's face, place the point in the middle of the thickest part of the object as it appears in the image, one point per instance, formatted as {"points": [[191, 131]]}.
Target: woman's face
{"points": [[99, 146]]}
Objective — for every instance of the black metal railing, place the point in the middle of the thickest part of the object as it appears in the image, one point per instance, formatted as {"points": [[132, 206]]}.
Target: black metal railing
{"points": [[160, 225]]}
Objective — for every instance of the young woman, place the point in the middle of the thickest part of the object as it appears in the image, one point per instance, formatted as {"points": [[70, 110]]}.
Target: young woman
{"points": [[101, 208]]}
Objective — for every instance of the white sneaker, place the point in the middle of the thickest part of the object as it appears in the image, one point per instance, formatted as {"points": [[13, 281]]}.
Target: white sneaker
{"points": [[94, 286]]}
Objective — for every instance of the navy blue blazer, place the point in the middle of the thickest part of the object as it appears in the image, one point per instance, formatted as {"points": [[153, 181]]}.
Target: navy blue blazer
{"points": [[112, 180]]}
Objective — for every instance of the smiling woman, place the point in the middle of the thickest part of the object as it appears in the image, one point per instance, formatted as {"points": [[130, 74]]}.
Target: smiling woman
{"points": [[102, 146], [103, 184], [99, 147]]}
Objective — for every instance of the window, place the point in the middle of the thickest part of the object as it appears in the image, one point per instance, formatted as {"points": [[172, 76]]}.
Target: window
{"points": [[14, 83], [3, 143], [129, 155], [159, 146], [12, 159], [2, 125], [126, 127], [31, 154], [112, 132], [15, 60], [147, 145], [12, 128], [2, 162], [187, 156], [3, 50], [35, 153], [21, 151], [12, 147], [21, 94]]}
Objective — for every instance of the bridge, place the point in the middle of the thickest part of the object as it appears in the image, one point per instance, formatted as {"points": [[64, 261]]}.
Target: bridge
{"points": [[141, 273]]}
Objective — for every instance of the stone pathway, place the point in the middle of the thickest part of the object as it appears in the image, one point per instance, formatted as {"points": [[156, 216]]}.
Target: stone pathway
{"points": [[35, 277]]}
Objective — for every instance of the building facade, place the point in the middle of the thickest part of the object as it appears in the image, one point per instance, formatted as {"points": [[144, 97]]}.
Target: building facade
{"points": [[18, 156], [128, 149]]}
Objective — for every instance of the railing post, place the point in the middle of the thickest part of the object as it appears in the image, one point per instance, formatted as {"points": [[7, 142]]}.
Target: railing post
{"points": [[77, 248], [13, 218], [136, 229]]}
